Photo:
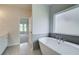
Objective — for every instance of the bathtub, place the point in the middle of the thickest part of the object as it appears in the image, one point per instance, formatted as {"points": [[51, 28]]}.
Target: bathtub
{"points": [[52, 46]]}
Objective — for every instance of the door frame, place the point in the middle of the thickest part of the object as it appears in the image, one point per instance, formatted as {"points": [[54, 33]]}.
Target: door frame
{"points": [[29, 31]]}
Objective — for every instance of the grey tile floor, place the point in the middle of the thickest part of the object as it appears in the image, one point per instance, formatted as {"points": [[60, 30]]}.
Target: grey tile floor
{"points": [[22, 49], [12, 50], [23, 38]]}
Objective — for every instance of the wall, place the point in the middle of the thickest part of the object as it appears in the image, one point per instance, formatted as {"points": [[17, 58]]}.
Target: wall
{"points": [[69, 38], [67, 22], [66, 25], [54, 9], [40, 19], [72, 35], [9, 22]]}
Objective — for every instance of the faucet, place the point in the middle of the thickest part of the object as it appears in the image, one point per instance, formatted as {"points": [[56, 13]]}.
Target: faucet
{"points": [[60, 40]]}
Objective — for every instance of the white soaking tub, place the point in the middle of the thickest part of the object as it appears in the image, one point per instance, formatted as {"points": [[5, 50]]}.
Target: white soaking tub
{"points": [[52, 46]]}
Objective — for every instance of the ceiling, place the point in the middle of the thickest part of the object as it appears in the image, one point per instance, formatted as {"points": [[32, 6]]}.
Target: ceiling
{"points": [[25, 6], [29, 6], [22, 5]]}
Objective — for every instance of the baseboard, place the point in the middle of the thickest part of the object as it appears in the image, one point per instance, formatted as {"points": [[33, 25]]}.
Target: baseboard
{"points": [[13, 44]]}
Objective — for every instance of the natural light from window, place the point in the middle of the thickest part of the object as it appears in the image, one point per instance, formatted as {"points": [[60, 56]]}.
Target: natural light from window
{"points": [[23, 27]]}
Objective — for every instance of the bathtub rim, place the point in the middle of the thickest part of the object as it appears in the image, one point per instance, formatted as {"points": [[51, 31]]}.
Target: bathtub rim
{"points": [[68, 43]]}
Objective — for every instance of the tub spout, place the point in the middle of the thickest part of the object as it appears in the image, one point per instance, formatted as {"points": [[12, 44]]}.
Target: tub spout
{"points": [[60, 40]]}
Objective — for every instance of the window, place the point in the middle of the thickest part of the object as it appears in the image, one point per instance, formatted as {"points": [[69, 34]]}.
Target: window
{"points": [[23, 27]]}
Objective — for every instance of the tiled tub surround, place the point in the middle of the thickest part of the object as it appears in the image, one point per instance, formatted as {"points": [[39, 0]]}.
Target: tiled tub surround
{"points": [[69, 38]]}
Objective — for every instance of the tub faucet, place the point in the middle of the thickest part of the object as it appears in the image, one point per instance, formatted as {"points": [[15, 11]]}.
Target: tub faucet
{"points": [[60, 40]]}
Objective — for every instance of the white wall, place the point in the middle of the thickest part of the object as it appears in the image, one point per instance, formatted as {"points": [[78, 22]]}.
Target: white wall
{"points": [[54, 8], [67, 22], [40, 18]]}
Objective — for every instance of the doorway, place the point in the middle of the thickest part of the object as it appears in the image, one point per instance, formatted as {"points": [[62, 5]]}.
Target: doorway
{"points": [[23, 27], [26, 45]]}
